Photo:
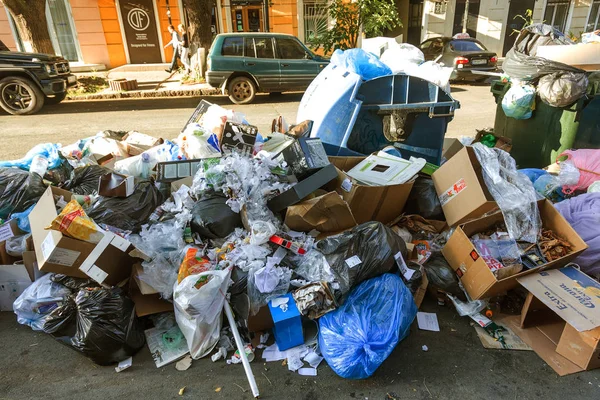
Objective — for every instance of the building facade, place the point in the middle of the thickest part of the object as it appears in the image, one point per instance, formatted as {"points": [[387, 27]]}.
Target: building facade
{"points": [[110, 33]]}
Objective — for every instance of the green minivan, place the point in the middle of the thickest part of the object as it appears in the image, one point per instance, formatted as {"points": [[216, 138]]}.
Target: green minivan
{"points": [[247, 63]]}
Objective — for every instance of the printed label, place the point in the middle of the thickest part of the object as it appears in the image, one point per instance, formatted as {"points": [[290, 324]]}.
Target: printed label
{"points": [[406, 272], [96, 274], [347, 185], [453, 191], [63, 257], [6, 232], [353, 261]]}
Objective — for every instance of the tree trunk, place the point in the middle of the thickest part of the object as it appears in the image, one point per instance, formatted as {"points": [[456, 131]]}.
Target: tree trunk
{"points": [[30, 18], [200, 19]]}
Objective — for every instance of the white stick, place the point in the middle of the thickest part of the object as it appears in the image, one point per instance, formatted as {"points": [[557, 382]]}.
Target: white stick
{"points": [[240, 346]]}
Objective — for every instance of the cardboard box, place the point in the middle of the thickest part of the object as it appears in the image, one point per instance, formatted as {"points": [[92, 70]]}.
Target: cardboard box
{"points": [[108, 262], [260, 322], [176, 185], [560, 319], [147, 299], [461, 189], [327, 213], [116, 185], [305, 156], [385, 170], [288, 324], [8, 230], [582, 56], [368, 203], [473, 271], [450, 147], [302, 189], [239, 138], [14, 279]]}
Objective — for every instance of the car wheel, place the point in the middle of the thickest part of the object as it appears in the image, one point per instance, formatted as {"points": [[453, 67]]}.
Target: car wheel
{"points": [[57, 98], [20, 96], [241, 90]]}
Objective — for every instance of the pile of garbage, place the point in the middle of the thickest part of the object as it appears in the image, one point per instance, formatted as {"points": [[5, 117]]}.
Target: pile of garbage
{"points": [[224, 242]]}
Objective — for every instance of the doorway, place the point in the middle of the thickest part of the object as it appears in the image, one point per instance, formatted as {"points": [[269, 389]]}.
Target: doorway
{"points": [[415, 21], [514, 23], [471, 20], [247, 19]]}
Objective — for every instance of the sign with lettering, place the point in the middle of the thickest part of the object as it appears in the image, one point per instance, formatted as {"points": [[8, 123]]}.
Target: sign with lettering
{"points": [[139, 23]]}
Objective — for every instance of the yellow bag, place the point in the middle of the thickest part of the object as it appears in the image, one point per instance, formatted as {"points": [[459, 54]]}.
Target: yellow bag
{"points": [[74, 222]]}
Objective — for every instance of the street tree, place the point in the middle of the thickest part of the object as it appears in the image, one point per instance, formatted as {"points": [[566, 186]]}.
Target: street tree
{"points": [[373, 17], [199, 14], [31, 22]]}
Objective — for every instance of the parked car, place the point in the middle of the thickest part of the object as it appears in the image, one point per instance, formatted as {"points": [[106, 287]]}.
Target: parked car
{"points": [[28, 80], [464, 55], [247, 63]]}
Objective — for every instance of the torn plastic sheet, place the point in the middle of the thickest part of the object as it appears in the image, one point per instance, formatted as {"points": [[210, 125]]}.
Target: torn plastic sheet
{"points": [[281, 287]]}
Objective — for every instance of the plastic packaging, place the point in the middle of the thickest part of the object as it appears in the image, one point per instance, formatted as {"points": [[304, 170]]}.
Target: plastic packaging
{"points": [[591, 37], [423, 200], [85, 180], [17, 245], [313, 267], [361, 253], [197, 142], [518, 102], [36, 302], [73, 222], [502, 256], [193, 263], [432, 72], [356, 338], [513, 192], [141, 166], [212, 218], [561, 89], [588, 163], [19, 190], [261, 231], [267, 283], [360, 62], [99, 323], [23, 219], [49, 151], [399, 56], [199, 303], [128, 213], [39, 165]]}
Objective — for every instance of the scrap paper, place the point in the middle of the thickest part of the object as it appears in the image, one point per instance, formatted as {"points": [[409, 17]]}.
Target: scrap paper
{"points": [[428, 321], [307, 371]]}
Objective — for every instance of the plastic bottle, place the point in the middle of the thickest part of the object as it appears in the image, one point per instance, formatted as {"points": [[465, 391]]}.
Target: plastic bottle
{"points": [[39, 165], [146, 168]]}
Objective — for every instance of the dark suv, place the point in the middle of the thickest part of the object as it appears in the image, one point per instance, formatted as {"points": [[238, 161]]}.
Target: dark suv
{"points": [[27, 80]]}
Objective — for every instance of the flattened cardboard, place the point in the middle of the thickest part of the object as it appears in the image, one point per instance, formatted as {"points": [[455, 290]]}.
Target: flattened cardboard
{"points": [[450, 147], [475, 274], [327, 213], [368, 203], [262, 321], [176, 185], [462, 191], [143, 287], [8, 230], [147, 304], [582, 56]]}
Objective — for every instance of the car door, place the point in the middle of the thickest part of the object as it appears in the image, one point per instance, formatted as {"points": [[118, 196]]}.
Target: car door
{"points": [[259, 60], [298, 69]]}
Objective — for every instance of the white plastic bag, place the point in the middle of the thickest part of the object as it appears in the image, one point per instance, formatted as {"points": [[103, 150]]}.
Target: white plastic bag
{"points": [[400, 56], [198, 310], [197, 142], [432, 72], [142, 165], [37, 302]]}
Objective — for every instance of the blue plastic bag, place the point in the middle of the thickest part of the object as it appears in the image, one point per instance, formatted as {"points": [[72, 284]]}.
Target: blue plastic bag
{"points": [[518, 101], [23, 219], [49, 151], [357, 337], [360, 62]]}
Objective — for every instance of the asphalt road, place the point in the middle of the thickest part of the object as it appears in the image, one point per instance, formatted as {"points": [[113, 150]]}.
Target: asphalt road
{"points": [[67, 122]]}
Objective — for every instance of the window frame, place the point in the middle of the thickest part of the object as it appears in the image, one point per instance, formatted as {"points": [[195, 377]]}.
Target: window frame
{"points": [[233, 38], [278, 53], [554, 5], [302, 10], [595, 18]]}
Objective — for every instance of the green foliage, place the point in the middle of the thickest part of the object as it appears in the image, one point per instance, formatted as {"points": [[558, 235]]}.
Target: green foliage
{"points": [[527, 19], [374, 16]]}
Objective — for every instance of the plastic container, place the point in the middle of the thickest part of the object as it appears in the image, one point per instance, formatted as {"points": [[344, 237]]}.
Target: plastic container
{"points": [[537, 141], [356, 117]]}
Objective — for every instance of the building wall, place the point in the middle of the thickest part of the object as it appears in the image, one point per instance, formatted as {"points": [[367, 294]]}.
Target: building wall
{"points": [[112, 33], [161, 6], [6, 35], [90, 32], [283, 16]]}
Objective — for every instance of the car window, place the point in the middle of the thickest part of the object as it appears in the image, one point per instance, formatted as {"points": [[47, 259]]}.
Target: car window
{"points": [[426, 45], [233, 46], [249, 48], [264, 47], [466, 45], [290, 49], [437, 45]]}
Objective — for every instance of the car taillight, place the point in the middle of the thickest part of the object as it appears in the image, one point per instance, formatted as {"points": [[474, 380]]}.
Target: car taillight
{"points": [[494, 59], [461, 61]]}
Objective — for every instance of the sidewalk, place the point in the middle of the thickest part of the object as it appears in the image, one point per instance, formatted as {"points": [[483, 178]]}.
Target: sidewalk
{"points": [[150, 84]]}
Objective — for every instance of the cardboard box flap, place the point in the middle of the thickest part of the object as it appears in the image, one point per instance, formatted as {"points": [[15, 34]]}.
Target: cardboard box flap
{"points": [[570, 293], [327, 213]]}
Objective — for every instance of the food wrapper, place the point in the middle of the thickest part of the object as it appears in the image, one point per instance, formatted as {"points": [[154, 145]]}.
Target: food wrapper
{"points": [[193, 264], [74, 222]]}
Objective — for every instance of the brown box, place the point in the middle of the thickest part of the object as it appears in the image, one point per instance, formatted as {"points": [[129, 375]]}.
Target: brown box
{"points": [[461, 189], [368, 203], [146, 298], [116, 185], [473, 271], [560, 319], [107, 262], [327, 213]]}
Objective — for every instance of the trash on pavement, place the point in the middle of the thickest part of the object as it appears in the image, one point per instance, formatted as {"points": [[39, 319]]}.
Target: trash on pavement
{"points": [[288, 325], [314, 300], [116, 185], [428, 321]]}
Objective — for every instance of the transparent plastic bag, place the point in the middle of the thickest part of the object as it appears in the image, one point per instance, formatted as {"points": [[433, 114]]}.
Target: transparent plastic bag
{"points": [[399, 56], [48, 151], [36, 303], [17, 245], [266, 283], [142, 165], [197, 142], [261, 232], [356, 338], [518, 101], [502, 256], [360, 62], [561, 89], [513, 192], [313, 267], [199, 303]]}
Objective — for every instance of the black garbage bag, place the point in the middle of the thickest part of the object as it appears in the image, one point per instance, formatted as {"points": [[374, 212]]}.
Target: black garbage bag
{"points": [[521, 61], [423, 200], [99, 323], [73, 283], [19, 190], [85, 180], [61, 173], [128, 213], [561, 89], [212, 218], [364, 252], [441, 276]]}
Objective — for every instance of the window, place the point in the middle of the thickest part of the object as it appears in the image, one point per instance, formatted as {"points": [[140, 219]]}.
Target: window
{"points": [[61, 29], [556, 13], [249, 50], [426, 45], [466, 45], [594, 19], [233, 46], [264, 47], [440, 7], [315, 19], [289, 49]]}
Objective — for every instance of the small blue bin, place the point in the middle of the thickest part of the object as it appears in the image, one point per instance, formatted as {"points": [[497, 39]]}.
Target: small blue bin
{"points": [[288, 325]]}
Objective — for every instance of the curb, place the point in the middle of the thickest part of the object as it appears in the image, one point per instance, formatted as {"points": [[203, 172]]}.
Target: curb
{"points": [[137, 94]]}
